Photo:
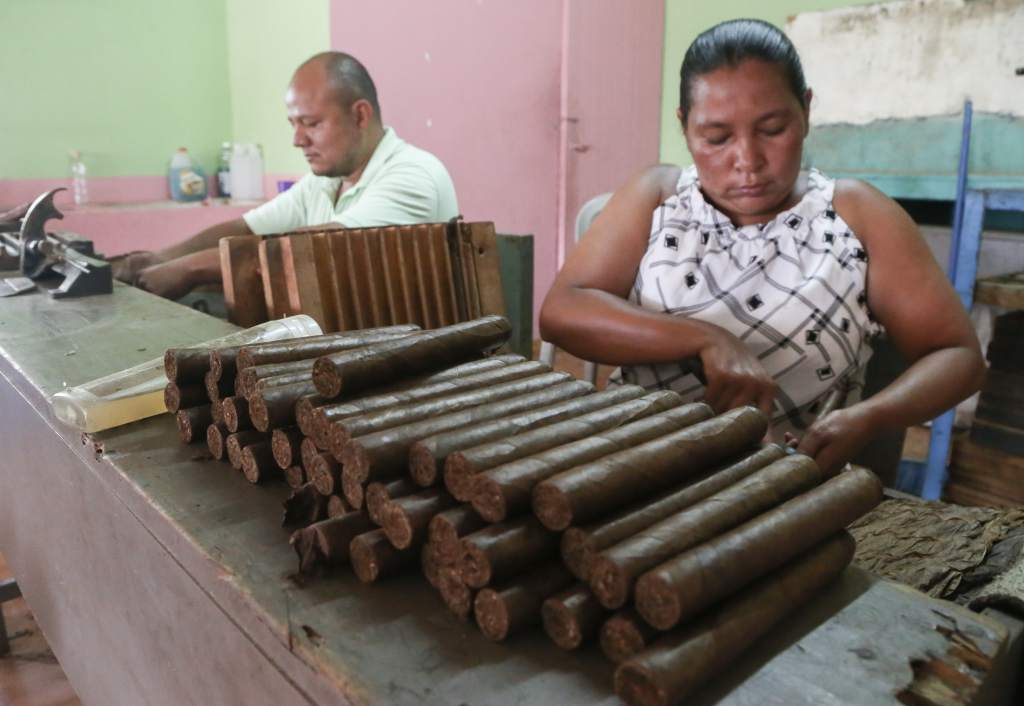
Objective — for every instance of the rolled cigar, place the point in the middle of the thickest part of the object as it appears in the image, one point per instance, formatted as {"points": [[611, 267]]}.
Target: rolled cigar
{"points": [[237, 441], [236, 413], [216, 434], [304, 506], [245, 381], [446, 530], [374, 557], [295, 476], [258, 463], [455, 593], [353, 489], [286, 443], [461, 466], [186, 366], [580, 544], [307, 453], [305, 409], [278, 380], [217, 388], [505, 491], [192, 422], [382, 362], [572, 616], [420, 386], [315, 346], [217, 412], [501, 612], [669, 670], [385, 454], [222, 362], [624, 634], [336, 506], [406, 518], [377, 495], [690, 582], [325, 473], [342, 430], [324, 417], [498, 551], [589, 491], [426, 456], [613, 571], [326, 542], [275, 406], [184, 396], [429, 565]]}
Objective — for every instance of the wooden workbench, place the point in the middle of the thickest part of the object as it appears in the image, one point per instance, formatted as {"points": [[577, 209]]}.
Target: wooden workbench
{"points": [[159, 577]]}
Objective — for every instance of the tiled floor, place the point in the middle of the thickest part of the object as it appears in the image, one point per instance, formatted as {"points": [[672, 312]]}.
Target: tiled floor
{"points": [[30, 675]]}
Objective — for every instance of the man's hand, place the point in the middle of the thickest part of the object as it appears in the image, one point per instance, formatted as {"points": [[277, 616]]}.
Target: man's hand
{"points": [[735, 376], [15, 213], [171, 280], [834, 438], [126, 268]]}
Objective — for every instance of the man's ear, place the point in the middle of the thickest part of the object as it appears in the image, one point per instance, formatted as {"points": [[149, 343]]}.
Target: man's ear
{"points": [[362, 113]]}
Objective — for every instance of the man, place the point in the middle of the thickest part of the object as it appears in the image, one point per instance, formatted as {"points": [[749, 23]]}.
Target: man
{"points": [[362, 175]]}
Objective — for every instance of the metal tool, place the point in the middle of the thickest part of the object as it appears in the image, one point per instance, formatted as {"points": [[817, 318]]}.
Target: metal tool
{"points": [[39, 254]]}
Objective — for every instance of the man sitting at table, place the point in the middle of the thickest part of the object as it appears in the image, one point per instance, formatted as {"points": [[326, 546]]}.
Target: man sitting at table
{"points": [[363, 175]]}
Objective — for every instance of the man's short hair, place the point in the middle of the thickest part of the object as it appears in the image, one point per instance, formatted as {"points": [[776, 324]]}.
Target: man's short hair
{"points": [[348, 78]]}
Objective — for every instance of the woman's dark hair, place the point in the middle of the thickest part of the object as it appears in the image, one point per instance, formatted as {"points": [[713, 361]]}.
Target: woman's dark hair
{"points": [[731, 43]]}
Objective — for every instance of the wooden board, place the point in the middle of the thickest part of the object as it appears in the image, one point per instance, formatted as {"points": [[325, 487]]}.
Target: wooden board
{"points": [[1006, 291], [243, 285]]}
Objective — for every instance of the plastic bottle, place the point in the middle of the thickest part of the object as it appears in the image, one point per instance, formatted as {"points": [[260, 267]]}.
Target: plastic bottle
{"points": [[79, 185], [224, 171], [247, 172], [186, 180], [138, 392]]}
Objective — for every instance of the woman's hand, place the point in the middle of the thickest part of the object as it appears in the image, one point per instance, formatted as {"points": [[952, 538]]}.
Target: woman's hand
{"points": [[735, 377], [834, 438]]}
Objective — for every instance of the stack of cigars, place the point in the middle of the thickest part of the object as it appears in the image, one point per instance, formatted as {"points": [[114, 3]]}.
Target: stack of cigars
{"points": [[671, 535]]}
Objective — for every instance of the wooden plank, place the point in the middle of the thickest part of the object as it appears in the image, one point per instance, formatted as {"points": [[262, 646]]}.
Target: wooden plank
{"points": [[325, 280], [389, 256], [421, 261], [366, 247], [345, 308], [438, 277], [487, 268], [302, 280], [275, 287], [243, 285], [966, 494], [1007, 291]]}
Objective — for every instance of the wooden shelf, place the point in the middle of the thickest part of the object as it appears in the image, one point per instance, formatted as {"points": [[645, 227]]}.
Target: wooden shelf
{"points": [[1006, 291]]}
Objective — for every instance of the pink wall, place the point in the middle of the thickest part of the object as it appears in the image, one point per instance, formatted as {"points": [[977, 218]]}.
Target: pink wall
{"points": [[478, 84]]}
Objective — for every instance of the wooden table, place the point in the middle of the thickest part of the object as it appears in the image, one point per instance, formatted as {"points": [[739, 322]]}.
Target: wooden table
{"points": [[163, 578]]}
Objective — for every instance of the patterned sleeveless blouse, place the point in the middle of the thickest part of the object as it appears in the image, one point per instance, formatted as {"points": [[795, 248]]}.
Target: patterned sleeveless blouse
{"points": [[792, 290]]}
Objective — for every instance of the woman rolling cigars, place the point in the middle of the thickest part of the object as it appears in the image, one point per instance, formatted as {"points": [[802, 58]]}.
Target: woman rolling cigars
{"points": [[774, 279]]}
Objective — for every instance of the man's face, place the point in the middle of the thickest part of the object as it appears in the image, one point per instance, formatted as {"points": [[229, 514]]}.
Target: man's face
{"points": [[327, 133], [745, 132]]}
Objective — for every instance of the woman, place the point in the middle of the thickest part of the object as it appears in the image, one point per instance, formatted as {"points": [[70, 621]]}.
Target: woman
{"points": [[775, 280]]}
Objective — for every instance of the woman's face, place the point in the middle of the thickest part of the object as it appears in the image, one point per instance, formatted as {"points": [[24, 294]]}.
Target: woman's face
{"points": [[746, 131]]}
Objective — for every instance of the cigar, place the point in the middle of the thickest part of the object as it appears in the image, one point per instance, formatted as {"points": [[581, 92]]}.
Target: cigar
{"points": [[625, 634], [310, 347], [572, 616], [374, 557], [502, 550], [326, 542], [192, 421], [336, 506], [237, 441], [286, 443], [258, 463], [377, 495], [295, 476], [406, 518], [446, 530], [186, 366], [457, 596], [217, 388], [215, 437], [177, 397], [501, 612], [222, 362], [275, 406], [325, 474], [236, 413]]}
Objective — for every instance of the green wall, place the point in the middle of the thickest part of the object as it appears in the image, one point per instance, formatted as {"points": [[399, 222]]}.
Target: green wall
{"points": [[684, 20], [260, 69], [125, 82], [129, 82]]}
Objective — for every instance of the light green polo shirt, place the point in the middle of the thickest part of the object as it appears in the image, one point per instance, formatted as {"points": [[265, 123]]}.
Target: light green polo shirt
{"points": [[401, 184]]}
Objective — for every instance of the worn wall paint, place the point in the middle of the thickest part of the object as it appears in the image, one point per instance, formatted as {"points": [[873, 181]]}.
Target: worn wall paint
{"points": [[259, 70], [684, 20], [126, 83], [912, 58]]}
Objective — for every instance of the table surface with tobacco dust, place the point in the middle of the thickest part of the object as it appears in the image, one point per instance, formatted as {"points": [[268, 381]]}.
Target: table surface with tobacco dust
{"points": [[164, 547]]}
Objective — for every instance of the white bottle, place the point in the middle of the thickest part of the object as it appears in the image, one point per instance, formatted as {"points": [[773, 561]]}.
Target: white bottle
{"points": [[79, 186], [246, 172]]}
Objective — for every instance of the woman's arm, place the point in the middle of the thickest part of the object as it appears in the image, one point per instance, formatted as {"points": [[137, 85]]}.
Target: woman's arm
{"points": [[911, 297], [586, 311]]}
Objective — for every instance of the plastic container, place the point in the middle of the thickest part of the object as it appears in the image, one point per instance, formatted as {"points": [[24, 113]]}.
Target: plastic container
{"points": [[186, 180], [79, 185], [224, 170], [137, 393], [247, 172]]}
